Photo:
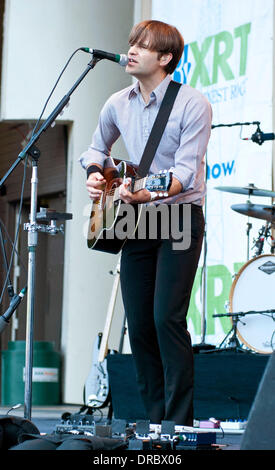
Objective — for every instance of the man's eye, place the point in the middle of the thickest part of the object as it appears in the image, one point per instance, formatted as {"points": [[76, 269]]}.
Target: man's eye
{"points": [[139, 45]]}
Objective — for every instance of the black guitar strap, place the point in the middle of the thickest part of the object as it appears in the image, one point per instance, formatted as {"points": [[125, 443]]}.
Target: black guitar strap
{"points": [[158, 128]]}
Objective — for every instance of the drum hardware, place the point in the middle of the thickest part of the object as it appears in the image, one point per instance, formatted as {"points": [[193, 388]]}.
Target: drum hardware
{"points": [[231, 340], [263, 234], [258, 211], [232, 337], [263, 212], [253, 291], [249, 227], [250, 190]]}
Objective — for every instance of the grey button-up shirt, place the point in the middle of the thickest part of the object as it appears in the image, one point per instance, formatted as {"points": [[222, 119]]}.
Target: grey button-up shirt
{"points": [[182, 147]]}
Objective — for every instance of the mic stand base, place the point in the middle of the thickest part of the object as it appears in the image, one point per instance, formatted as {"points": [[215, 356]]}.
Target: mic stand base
{"points": [[33, 228]]}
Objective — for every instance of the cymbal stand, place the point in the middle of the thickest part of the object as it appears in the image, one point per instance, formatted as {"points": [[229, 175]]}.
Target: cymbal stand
{"points": [[249, 227]]}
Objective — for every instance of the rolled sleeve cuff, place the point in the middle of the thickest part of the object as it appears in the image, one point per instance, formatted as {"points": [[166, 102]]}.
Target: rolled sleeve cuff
{"points": [[186, 178], [92, 156]]}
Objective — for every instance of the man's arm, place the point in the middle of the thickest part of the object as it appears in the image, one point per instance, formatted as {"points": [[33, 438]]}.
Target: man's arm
{"points": [[104, 137], [193, 144], [144, 195], [196, 130]]}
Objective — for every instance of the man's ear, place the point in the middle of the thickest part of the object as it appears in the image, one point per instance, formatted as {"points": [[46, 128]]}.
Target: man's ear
{"points": [[165, 59]]}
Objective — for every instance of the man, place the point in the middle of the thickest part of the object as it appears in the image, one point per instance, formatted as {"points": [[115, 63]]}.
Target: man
{"points": [[156, 280]]}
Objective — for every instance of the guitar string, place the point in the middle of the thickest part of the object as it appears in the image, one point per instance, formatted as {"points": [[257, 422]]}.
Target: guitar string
{"points": [[112, 191]]}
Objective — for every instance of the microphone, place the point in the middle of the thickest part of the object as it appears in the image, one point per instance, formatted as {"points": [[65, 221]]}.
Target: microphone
{"points": [[120, 59], [259, 137], [15, 301]]}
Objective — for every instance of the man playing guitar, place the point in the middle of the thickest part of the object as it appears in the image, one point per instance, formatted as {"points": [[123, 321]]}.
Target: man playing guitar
{"points": [[156, 280]]}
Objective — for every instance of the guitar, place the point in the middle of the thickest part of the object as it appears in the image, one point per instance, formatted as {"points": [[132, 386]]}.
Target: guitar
{"points": [[97, 391], [107, 211]]}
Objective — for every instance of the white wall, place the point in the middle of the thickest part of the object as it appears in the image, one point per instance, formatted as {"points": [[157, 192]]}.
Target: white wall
{"points": [[39, 37]]}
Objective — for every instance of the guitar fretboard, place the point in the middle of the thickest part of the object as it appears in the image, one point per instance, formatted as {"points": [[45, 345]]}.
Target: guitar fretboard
{"points": [[138, 184]]}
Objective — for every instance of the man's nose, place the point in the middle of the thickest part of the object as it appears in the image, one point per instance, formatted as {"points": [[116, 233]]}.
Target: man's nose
{"points": [[132, 49]]}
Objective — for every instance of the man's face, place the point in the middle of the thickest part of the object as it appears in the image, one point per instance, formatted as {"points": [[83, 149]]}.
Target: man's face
{"points": [[142, 61]]}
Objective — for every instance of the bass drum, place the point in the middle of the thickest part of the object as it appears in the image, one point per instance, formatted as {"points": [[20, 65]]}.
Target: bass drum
{"points": [[253, 289]]}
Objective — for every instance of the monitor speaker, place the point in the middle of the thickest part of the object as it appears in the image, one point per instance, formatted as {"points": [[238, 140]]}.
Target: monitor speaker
{"points": [[260, 430]]}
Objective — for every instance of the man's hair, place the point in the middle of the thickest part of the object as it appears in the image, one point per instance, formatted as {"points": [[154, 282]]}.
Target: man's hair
{"points": [[162, 37]]}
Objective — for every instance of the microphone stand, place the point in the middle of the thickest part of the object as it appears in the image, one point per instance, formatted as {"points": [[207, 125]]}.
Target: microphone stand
{"points": [[202, 345], [31, 150]]}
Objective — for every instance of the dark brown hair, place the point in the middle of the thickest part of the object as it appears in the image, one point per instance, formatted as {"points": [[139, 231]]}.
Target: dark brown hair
{"points": [[162, 37]]}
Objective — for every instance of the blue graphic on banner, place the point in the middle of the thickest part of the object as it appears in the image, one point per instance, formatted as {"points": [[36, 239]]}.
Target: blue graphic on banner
{"points": [[218, 170], [183, 68]]}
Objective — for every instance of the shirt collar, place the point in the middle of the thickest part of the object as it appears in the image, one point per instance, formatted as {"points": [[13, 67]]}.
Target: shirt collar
{"points": [[158, 92]]}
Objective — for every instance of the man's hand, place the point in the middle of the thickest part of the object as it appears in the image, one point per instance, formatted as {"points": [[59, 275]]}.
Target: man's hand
{"points": [[141, 196], [94, 185]]}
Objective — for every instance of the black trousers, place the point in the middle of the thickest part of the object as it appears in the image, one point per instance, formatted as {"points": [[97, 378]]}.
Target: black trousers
{"points": [[156, 285]]}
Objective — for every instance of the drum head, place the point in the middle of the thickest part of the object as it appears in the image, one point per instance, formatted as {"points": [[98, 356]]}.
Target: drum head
{"points": [[254, 290]]}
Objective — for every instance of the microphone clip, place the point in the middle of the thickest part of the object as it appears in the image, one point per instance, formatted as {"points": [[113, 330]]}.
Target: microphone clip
{"points": [[260, 137], [257, 137]]}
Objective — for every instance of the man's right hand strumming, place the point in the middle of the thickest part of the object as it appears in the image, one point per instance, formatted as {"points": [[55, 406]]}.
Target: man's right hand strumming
{"points": [[94, 185]]}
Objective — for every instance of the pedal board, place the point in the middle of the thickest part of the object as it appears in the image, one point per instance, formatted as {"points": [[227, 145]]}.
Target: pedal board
{"points": [[77, 423], [141, 435]]}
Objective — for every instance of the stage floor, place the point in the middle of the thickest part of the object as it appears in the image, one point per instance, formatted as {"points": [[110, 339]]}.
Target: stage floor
{"points": [[46, 418]]}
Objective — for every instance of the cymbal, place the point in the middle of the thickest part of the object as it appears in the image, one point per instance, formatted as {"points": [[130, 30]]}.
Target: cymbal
{"points": [[248, 190], [258, 211]]}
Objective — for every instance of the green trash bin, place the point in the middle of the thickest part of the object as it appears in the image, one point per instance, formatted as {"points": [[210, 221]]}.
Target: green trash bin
{"points": [[46, 389]]}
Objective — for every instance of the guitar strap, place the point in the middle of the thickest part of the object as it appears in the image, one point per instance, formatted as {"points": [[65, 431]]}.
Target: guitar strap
{"points": [[158, 128]]}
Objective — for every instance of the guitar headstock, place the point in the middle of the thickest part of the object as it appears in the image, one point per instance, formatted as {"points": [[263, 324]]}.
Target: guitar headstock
{"points": [[160, 181]]}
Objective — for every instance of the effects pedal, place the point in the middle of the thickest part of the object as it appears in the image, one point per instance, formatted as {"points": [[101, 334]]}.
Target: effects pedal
{"points": [[194, 440]]}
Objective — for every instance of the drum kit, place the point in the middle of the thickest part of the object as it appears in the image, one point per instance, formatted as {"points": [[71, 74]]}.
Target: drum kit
{"points": [[252, 295]]}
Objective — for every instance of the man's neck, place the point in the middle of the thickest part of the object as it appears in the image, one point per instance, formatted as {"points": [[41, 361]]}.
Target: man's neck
{"points": [[148, 84]]}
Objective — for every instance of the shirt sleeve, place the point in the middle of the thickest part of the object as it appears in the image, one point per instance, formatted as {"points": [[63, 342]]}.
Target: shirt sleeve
{"points": [[195, 134], [104, 137]]}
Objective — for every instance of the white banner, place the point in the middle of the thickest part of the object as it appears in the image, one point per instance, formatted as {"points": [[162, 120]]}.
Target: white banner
{"points": [[228, 56]]}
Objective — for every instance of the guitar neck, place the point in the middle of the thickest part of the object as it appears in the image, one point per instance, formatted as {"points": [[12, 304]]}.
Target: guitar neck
{"points": [[138, 184]]}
